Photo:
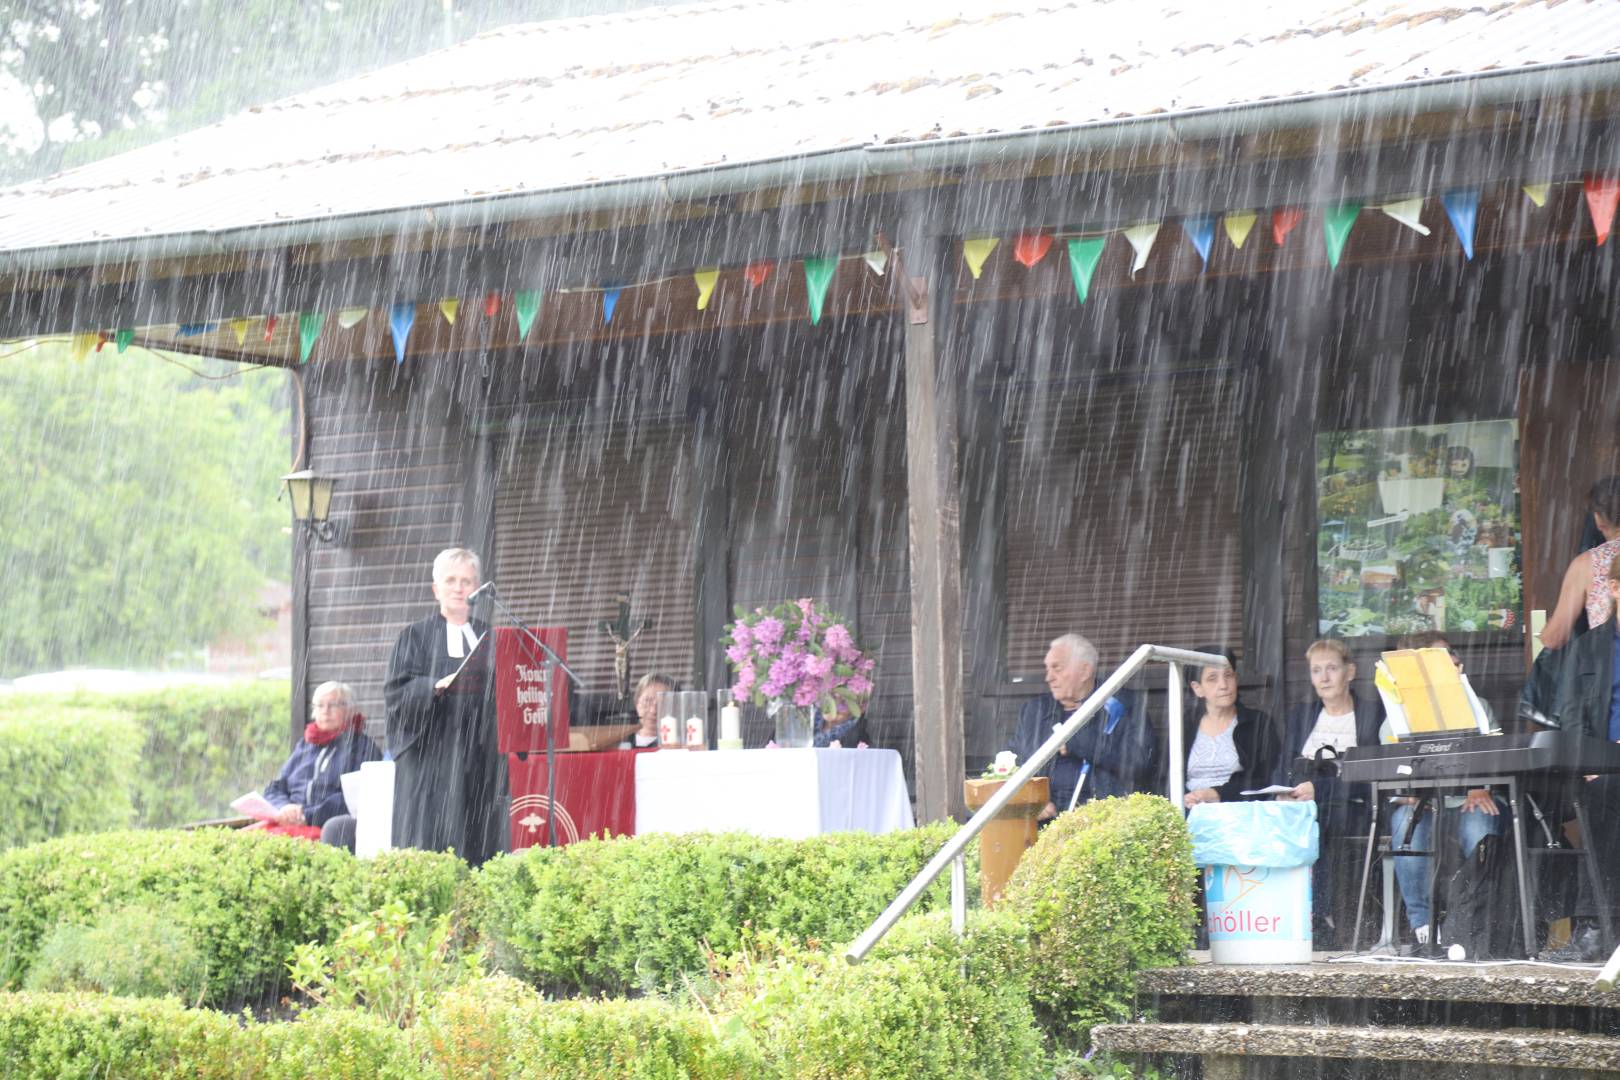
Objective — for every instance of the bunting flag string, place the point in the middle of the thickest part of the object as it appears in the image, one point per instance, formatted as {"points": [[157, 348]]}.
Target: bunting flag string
{"points": [[1029, 248]]}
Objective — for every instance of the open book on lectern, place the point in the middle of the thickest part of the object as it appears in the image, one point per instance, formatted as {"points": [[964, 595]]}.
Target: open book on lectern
{"points": [[1426, 696]]}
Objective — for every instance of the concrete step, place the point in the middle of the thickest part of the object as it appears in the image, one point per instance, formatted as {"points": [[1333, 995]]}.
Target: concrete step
{"points": [[1225, 1045]]}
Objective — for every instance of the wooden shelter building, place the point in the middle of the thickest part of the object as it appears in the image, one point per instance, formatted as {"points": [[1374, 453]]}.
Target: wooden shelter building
{"points": [[966, 464]]}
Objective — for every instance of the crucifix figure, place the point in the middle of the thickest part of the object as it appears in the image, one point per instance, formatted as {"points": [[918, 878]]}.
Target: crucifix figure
{"points": [[622, 634]]}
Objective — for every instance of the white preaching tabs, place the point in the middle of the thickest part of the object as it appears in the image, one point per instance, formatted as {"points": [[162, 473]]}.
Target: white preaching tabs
{"points": [[458, 639]]}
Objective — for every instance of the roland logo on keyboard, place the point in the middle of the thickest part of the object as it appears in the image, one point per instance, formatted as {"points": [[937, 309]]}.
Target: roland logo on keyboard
{"points": [[1436, 747]]}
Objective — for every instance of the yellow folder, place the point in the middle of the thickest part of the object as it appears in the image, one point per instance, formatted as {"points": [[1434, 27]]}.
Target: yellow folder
{"points": [[1431, 689]]}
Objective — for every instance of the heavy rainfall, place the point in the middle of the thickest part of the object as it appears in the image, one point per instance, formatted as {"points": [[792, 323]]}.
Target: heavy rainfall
{"points": [[969, 424]]}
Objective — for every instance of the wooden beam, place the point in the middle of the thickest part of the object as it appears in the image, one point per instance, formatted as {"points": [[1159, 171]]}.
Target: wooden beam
{"points": [[932, 388]]}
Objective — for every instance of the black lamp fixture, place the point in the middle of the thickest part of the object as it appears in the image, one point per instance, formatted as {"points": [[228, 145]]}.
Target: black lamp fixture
{"points": [[311, 502]]}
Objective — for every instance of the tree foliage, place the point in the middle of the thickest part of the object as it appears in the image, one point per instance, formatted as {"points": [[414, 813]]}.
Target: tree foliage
{"points": [[99, 78], [138, 515]]}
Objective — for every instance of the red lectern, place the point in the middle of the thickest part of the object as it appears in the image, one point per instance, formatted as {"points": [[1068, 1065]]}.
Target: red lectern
{"points": [[521, 693]]}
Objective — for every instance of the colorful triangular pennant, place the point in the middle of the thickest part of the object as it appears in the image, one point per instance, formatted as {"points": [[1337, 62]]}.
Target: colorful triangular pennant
{"points": [[401, 317], [350, 317], [818, 275], [1283, 222], [705, 280], [610, 300], [977, 250], [449, 307], [1238, 224], [1602, 194], [309, 328], [492, 305], [1337, 221], [526, 305], [876, 261], [1031, 248], [193, 329], [1084, 251], [123, 338], [755, 273], [1537, 193], [269, 328], [80, 344], [1462, 207], [1408, 212], [1200, 230], [239, 328], [1141, 238]]}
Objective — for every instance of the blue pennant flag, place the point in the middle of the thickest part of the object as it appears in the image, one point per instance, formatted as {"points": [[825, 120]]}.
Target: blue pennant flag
{"points": [[192, 329], [401, 317], [610, 300], [1462, 207], [1201, 231]]}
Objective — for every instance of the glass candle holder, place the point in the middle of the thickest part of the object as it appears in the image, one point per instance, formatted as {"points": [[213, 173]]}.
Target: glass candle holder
{"points": [[695, 719], [671, 731], [729, 711]]}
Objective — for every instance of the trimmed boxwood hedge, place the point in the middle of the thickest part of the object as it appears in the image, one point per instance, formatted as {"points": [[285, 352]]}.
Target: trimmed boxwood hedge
{"points": [[66, 771], [634, 913], [247, 898]]}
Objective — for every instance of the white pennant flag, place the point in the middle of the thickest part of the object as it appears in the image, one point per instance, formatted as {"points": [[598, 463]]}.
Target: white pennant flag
{"points": [[878, 261], [1141, 238], [1407, 211]]}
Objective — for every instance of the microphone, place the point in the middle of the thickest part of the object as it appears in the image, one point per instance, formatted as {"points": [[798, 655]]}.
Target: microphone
{"points": [[488, 586]]}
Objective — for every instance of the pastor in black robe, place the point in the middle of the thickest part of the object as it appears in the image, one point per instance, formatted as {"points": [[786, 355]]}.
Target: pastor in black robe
{"points": [[450, 787]]}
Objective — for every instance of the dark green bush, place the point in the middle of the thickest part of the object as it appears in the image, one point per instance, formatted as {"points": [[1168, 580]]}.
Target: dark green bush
{"points": [[637, 912], [248, 898], [1105, 892], [65, 770], [136, 951], [199, 747]]}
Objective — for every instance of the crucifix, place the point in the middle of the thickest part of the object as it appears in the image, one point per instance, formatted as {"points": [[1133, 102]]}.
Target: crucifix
{"points": [[622, 634]]}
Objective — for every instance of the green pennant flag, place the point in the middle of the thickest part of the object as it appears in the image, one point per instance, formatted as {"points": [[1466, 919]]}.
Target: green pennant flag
{"points": [[1083, 255], [1336, 224], [124, 338], [309, 328], [526, 304], [818, 275]]}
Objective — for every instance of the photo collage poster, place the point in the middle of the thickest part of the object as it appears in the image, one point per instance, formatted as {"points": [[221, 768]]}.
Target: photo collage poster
{"points": [[1418, 529]]}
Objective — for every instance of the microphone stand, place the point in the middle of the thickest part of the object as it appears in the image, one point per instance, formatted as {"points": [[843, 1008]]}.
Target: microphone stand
{"points": [[554, 663]]}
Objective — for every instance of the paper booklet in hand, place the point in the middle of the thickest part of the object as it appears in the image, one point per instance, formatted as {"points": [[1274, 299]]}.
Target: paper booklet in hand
{"points": [[471, 675], [255, 805], [1426, 696]]}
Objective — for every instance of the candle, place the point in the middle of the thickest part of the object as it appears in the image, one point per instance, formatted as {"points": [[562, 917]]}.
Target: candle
{"points": [[730, 722], [669, 731]]}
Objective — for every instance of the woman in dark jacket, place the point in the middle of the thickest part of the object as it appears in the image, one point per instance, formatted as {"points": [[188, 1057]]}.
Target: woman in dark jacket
{"points": [[308, 790], [1333, 722], [1231, 748]]}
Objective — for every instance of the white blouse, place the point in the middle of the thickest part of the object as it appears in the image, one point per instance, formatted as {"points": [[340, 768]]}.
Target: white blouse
{"points": [[1337, 731]]}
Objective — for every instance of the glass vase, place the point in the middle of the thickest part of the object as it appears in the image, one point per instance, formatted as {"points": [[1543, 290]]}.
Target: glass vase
{"points": [[795, 726]]}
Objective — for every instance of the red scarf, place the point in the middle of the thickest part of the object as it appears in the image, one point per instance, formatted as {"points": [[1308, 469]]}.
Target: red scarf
{"points": [[316, 737]]}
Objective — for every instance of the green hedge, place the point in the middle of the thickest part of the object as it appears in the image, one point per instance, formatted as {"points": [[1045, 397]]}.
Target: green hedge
{"points": [[247, 898], [1106, 891], [634, 913], [199, 747], [65, 771]]}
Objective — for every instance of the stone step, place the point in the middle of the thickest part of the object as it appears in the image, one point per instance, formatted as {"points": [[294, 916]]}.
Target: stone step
{"points": [[1222, 1043], [1361, 980]]}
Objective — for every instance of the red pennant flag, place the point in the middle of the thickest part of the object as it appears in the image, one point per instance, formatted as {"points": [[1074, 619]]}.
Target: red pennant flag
{"points": [[1602, 195], [492, 305], [269, 327], [1031, 248], [101, 340], [756, 273], [1283, 222]]}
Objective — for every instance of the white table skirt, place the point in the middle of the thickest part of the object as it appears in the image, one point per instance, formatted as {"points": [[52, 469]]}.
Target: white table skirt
{"points": [[786, 793]]}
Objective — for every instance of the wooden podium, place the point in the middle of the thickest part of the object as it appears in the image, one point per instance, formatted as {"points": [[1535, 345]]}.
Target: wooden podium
{"points": [[1003, 842]]}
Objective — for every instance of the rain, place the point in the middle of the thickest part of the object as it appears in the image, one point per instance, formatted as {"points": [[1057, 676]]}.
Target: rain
{"points": [[1218, 327]]}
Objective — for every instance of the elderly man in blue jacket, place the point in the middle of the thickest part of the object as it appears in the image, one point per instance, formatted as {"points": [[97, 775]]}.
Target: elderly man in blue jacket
{"points": [[1111, 755]]}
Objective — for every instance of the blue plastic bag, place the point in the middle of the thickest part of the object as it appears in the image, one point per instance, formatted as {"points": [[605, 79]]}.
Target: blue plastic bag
{"points": [[1253, 833]]}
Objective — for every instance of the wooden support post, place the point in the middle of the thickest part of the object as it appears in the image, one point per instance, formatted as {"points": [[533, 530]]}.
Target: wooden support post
{"points": [[933, 514]]}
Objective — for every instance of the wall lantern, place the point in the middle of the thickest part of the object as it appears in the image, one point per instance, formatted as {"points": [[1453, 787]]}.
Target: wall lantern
{"points": [[311, 501]]}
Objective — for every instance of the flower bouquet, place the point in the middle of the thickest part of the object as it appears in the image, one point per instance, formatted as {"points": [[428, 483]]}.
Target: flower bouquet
{"points": [[798, 654]]}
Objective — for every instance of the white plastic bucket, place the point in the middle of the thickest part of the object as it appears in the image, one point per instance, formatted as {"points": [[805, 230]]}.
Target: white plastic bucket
{"points": [[1258, 914]]}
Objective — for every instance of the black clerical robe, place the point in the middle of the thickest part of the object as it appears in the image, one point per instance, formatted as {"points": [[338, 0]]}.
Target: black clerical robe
{"points": [[450, 788]]}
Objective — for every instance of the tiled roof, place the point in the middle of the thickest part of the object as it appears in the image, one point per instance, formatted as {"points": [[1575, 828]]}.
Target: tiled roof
{"points": [[554, 105]]}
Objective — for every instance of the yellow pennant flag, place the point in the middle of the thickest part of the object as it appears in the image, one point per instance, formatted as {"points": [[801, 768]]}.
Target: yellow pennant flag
{"points": [[1537, 193], [448, 308], [349, 316], [705, 279], [1238, 224], [239, 327], [976, 251], [83, 343]]}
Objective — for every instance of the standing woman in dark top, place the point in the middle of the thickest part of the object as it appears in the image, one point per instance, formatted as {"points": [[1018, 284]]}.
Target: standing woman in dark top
{"points": [[1231, 748]]}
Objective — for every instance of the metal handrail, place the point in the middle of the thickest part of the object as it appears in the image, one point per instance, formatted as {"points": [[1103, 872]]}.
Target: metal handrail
{"points": [[951, 853]]}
